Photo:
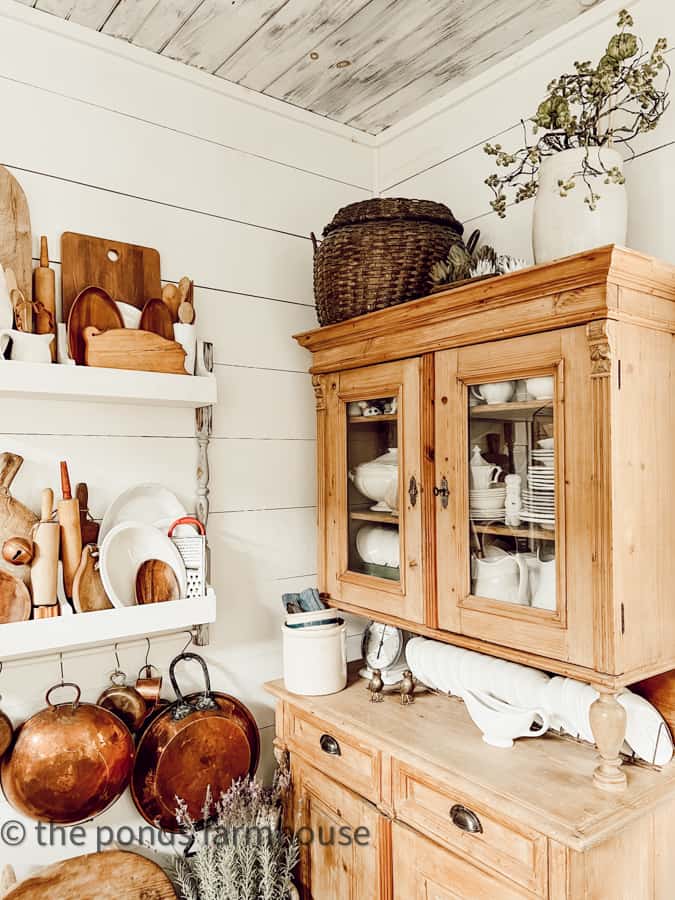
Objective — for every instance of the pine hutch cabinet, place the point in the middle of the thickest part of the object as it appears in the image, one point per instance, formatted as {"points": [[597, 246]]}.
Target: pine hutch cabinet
{"points": [[529, 421]]}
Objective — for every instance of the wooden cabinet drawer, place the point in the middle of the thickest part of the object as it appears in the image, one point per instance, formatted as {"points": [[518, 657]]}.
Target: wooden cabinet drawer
{"points": [[422, 869], [343, 756], [512, 849]]}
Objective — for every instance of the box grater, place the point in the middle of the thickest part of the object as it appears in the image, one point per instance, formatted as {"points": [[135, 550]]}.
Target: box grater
{"points": [[193, 551]]}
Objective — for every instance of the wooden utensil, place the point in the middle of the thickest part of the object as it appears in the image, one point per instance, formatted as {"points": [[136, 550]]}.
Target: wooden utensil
{"points": [[16, 250], [131, 349], [23, 309], [15, 602], [89, 528], [172, 299], [186, 310], [156, 582], [44, 569], [16, 520], [111, 875], [128, 272], [156, 318], [44, 295], [93, 307], [88, 592], [71, 536]]}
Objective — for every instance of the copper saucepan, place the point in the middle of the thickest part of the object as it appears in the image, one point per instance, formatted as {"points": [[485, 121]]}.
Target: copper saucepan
{"points": [[203, 741], [69, 762]]}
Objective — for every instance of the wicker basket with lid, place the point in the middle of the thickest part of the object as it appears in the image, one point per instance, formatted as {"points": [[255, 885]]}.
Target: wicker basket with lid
{"points": [[378, 253]]}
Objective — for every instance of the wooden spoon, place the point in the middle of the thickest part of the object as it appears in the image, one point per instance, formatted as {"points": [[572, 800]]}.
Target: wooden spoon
{"points": [[172, 299], [156, 582]]}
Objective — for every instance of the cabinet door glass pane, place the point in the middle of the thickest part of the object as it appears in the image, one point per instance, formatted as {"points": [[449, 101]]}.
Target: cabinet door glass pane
{"points": [[512, 491], [373, 487]]}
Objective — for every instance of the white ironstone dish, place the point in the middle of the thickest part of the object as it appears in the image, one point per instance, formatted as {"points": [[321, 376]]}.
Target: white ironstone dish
{"points": [[152, 504]]}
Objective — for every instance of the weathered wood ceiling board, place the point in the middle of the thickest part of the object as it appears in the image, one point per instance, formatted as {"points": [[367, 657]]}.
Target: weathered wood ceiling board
{"points": [[366, 63]]}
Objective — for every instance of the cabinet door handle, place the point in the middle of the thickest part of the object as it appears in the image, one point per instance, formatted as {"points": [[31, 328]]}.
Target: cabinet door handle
{"points": [[443, 492], [413, 490], [465, 820], [329, 745]]}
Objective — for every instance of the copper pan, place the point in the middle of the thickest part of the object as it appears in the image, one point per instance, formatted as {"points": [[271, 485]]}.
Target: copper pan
{"points": [[203, 741], [69, 762]]}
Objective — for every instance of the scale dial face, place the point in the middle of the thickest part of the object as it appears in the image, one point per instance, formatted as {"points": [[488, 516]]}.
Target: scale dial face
{"points": [[382, 645]]}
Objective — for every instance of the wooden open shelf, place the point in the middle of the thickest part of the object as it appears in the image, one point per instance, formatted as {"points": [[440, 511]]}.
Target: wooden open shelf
{"points": [[42, 381], [518, 411], [370, 516], [364, 420], [80, 630], [541, 534]]}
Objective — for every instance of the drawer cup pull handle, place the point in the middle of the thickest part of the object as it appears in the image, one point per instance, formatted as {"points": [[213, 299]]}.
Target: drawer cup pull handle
{"points": [[329, 745], [465, 820]]}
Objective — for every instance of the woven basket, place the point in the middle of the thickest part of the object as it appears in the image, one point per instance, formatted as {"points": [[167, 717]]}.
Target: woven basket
{"points": [[378, 253]]}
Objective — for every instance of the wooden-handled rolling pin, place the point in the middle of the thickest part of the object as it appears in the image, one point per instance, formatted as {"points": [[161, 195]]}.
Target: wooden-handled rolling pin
{"points": [[44, 296], [71, 535], [44, 567]]}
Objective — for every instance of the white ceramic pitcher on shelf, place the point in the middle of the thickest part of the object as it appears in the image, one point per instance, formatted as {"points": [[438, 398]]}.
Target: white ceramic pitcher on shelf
{"points": [[504, 578], [543, 583], [483, 473]]}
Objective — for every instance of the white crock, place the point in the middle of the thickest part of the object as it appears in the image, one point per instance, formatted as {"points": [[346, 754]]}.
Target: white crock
{"points": [[565, 225]]}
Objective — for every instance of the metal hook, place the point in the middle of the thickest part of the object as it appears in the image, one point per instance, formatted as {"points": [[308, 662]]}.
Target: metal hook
{"points": [[61, 668], [118, 665], [147, 653], [189, 641]]}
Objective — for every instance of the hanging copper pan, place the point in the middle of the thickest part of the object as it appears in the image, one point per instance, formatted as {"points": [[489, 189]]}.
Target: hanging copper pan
{"points": [[69, 762], [203, 741]]}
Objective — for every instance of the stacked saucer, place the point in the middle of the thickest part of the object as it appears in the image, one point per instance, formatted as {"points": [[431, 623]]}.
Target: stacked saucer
{"points": [[488, 504], [539, 499], [544, 457]]}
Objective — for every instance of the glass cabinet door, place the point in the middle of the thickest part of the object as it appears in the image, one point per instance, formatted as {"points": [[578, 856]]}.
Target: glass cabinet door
{"points": [[374, 446], [500, 473], [512, 492]]}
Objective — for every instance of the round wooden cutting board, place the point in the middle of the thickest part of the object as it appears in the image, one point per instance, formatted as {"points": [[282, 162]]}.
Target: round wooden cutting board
{"points": [[112, 875]]}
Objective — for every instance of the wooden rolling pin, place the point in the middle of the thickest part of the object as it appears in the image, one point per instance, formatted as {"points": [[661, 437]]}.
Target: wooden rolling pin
{"points": [[71, 535], [44, 567], [44, 292]]}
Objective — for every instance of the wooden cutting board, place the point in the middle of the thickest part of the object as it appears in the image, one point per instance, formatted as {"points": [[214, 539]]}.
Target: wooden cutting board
{"points": [[16, 242], [16, 520], [127, 348], [93, 306], [128, 272], [112, 875]]}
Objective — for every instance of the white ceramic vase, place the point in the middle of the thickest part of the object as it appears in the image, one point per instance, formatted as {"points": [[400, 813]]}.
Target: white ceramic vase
{"points": [[565, 225]]}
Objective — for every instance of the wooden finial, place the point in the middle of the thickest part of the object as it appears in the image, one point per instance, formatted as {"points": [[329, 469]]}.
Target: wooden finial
{"points": [[65, 482], [44, 252]]}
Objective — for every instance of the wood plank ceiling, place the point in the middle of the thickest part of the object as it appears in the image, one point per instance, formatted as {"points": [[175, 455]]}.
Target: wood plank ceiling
{"points": [[366, 63]]}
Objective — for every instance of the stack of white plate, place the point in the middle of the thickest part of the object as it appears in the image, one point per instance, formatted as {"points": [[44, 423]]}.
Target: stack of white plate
{"points": [[539, 500], [487, 505], [545, 457]]}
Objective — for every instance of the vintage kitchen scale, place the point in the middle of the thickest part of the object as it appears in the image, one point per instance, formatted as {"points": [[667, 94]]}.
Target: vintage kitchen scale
{"points": [[383, 648]]}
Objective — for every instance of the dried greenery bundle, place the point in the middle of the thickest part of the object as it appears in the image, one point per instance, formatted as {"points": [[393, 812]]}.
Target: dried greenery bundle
{"points": [[245, 854], [609, 104]]}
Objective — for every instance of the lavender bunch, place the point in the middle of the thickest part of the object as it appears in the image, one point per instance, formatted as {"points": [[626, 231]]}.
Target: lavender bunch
{"points": [[245, 854]]}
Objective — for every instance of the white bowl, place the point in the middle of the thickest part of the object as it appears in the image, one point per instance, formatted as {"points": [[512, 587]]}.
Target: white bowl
{"points": [[378, 480], [379, 546], [546, 443], [540, 388], [125, 549]]}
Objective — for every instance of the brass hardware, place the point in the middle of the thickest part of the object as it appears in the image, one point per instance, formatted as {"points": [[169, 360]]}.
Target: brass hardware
{"points": [[413, 490], [329, 745], [465, 820], [443, 492]]}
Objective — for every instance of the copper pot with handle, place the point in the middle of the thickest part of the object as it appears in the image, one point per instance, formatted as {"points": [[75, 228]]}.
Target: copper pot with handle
{"points": [[203, 741], [69, 762]]}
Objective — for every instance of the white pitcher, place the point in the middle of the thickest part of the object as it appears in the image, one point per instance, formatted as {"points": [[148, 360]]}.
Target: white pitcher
{"points": [[502, 578], [544, 587], [35, 348]]}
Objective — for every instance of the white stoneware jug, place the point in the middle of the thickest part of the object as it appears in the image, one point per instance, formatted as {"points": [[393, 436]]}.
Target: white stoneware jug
{"points": [[26, 347], [543, 594], [502, 578]]}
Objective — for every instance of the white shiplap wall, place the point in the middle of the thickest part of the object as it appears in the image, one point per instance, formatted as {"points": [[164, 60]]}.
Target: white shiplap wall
{"points": [[439, 154], [107, 142]]}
